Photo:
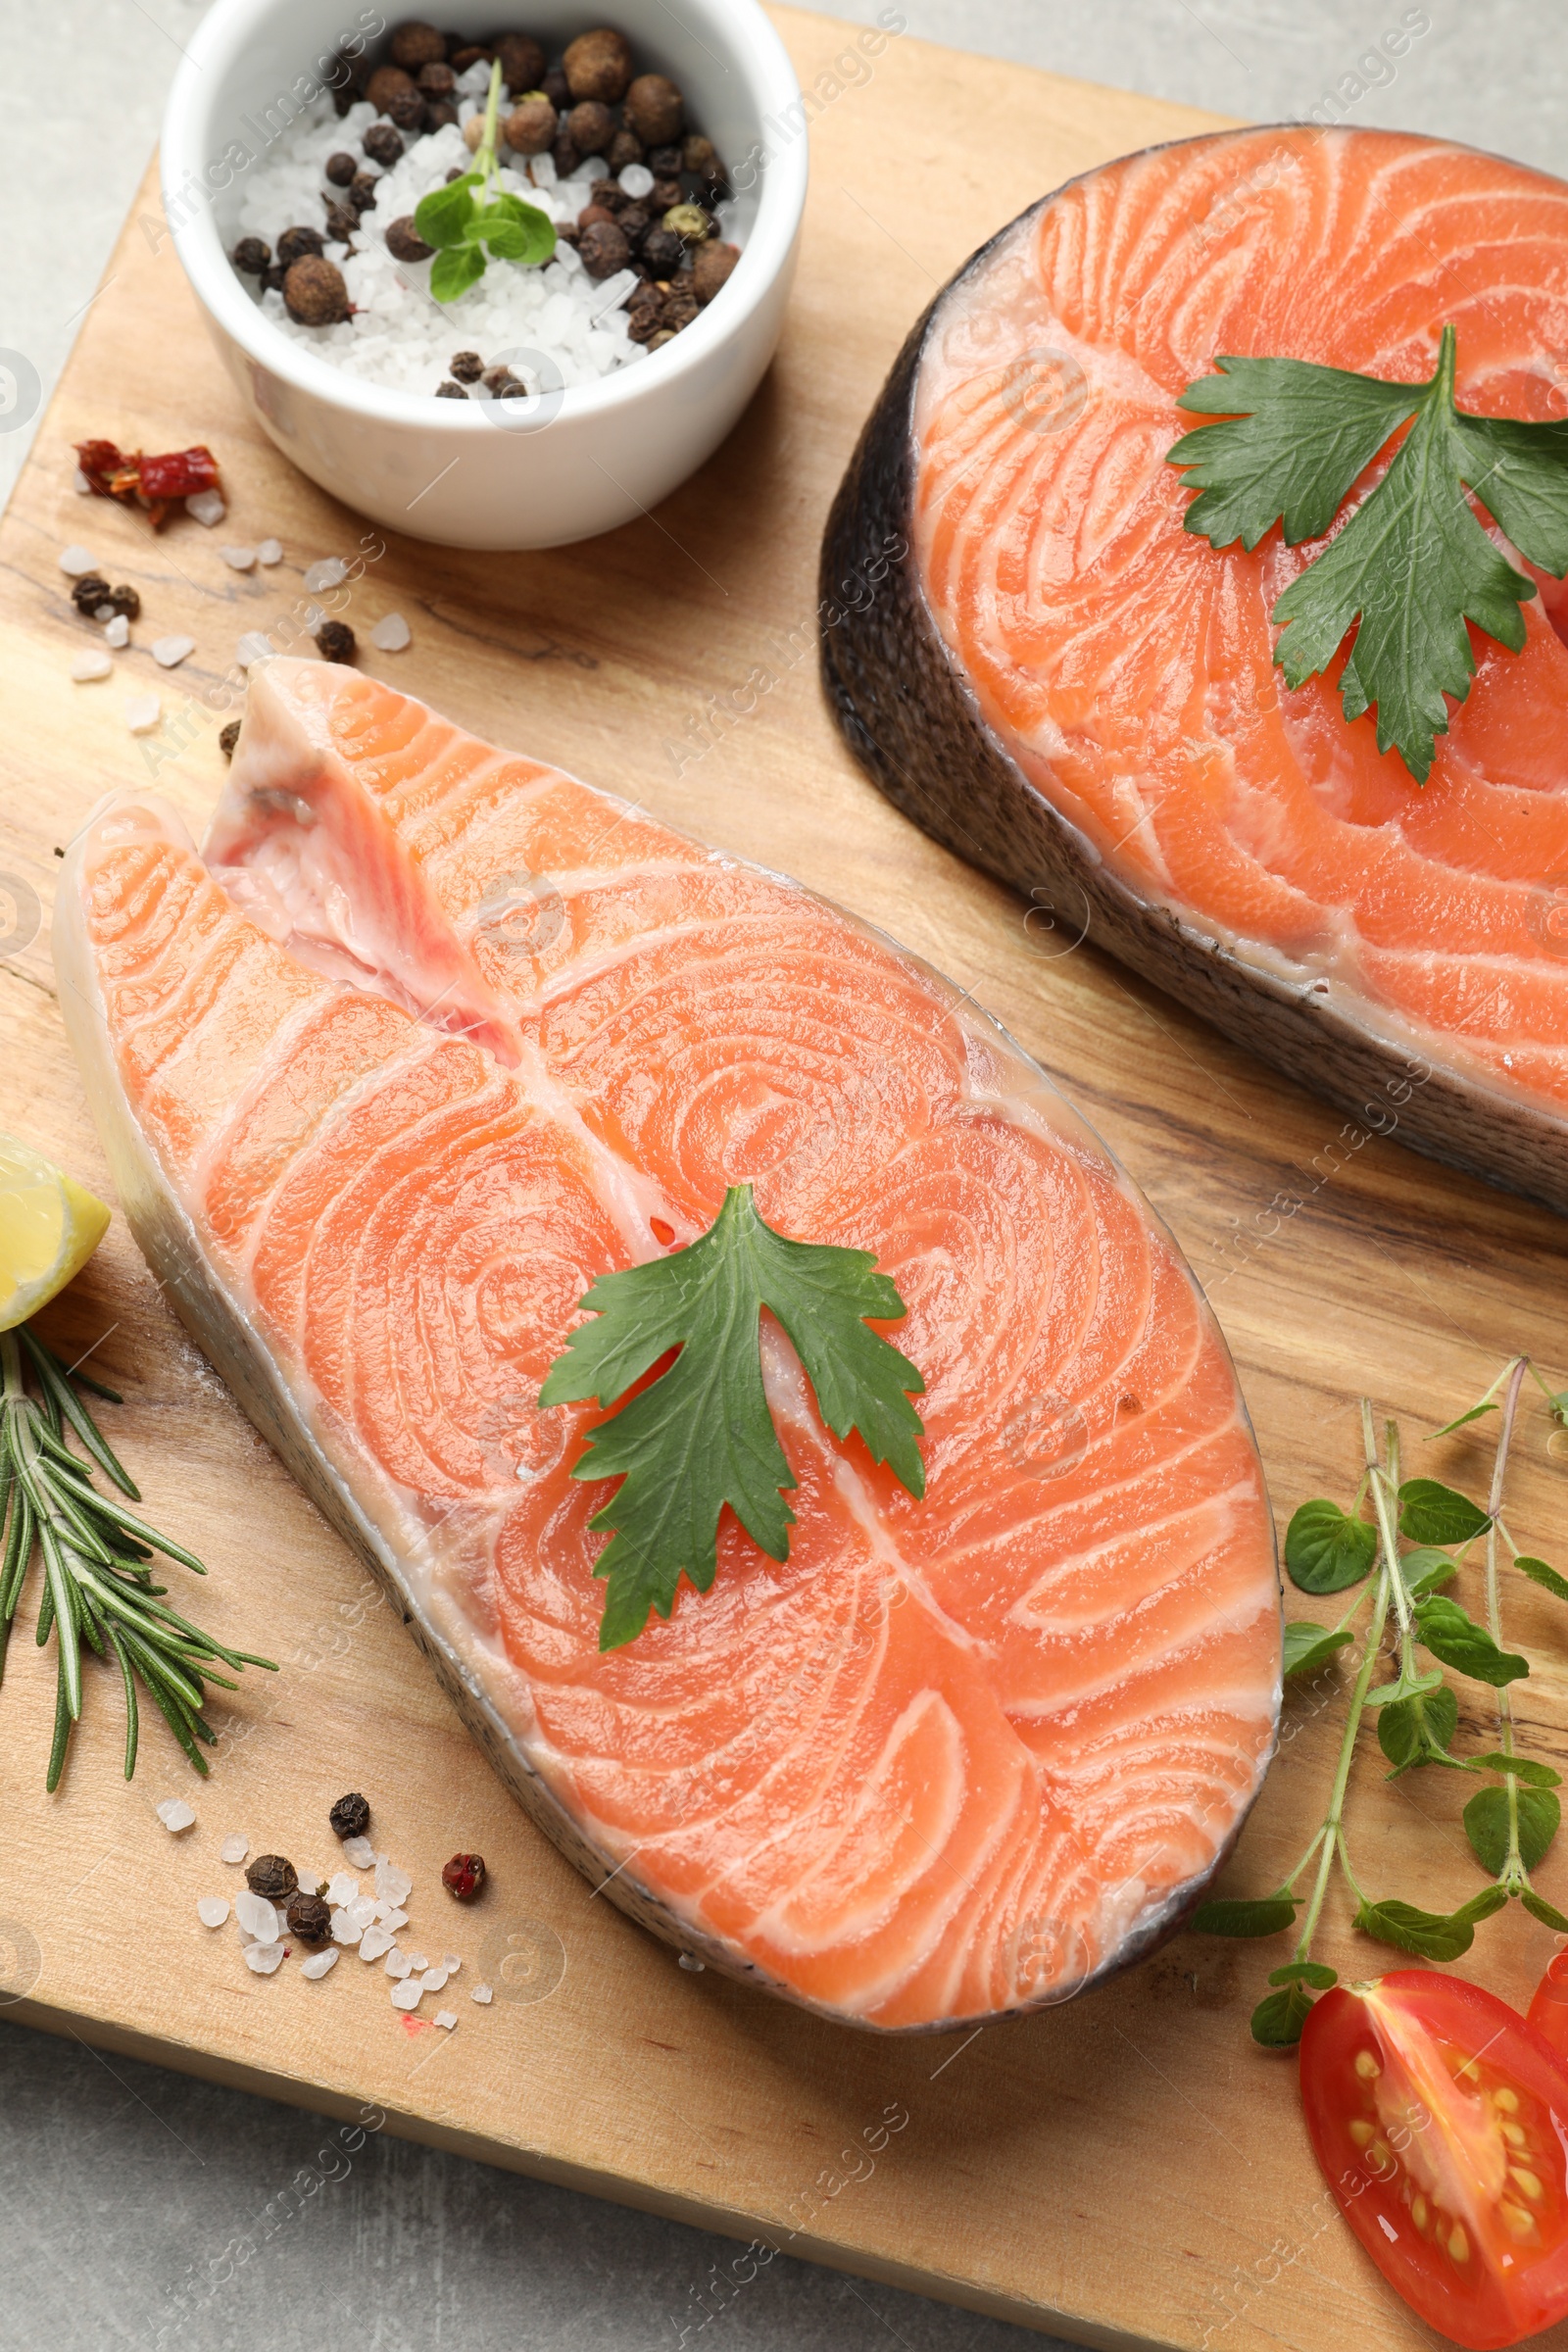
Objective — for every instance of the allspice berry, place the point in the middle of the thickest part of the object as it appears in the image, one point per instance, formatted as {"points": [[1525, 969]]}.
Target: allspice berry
{"points": [[531, 127], [386, 83], [383, 144], [437, 81], [295, 243], [654, 109], [522, 63], [342, 222], [467, 366], [340, 169], [414, 45], [273, 1875], [712, 265], [334, 642], [310, 1919], [624, 148], [252, 254], [315, 294], [407, 110], [699, 157], [591, 127], [404, 243], [598, 65], [464, 1875], [603, 248], [349, 1817]]}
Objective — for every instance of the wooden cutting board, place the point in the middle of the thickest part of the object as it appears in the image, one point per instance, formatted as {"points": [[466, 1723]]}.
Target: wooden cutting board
{"points": [[1127, 2170]]}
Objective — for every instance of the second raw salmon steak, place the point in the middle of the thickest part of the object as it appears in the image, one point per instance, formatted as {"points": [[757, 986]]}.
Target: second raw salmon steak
{"points": [[429, 1039]]}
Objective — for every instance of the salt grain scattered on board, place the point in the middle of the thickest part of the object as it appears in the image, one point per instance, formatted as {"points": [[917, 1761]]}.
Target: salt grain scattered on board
{"points": [[342, 1887], [360, 1851], [212, 1910], [263, 1958], [81, 484], [257, 1917], [143, 714], [117, 633], [398, 1965], [269, 552], [169, 651], [85, 667], [391, 633], [309, 1881], [238, 559], [391, 1917], [330, 572], [407, 1995], [484, 1994], [374, 1941], [207, 506], [234, 1847], [173, 1812], [360, 1912], [418, 1961], [451, 1963], [434, 1979], [77, 562], [345, 1929], [319, 1963], [447, 2018], [392, 1885]]}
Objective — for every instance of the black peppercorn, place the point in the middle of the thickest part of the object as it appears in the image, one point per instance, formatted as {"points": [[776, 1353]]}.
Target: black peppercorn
{"points": [[450, 391], [340, 169], [680, 307], [407, 109], [439, 113], [564, 155], [313, 292], [310, 1919], [335, 641], [663, 251], [623, 148], [556, 89], [610, 193], [663, 193], [663, 161], [437, 81], [252, 254], [273, 1875], [362, 195], [123, 599], [404, 243], [644, 314], [500, 381], [382, 144], [349, 1817], [273, 280], [88, 593], [295, 243], [467, 366], [604, 249]]}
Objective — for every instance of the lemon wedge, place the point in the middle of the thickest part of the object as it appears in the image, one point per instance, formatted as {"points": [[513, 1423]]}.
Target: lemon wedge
{"points": [[50, 1225]]}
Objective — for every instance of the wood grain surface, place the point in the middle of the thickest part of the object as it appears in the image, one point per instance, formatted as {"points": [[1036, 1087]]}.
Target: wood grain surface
{"points": [[1126, 2171]]}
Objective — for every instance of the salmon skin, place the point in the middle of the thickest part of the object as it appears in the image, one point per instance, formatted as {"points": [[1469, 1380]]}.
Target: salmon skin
{"points": [[1070, 689], [429, 1039]]}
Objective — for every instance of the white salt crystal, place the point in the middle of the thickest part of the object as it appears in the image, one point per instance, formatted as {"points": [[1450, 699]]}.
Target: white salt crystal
{"points": [[81, 484], [77, 562], [446, 2017], [207, 506], [434, 1979], [374, 1941], [342, 1887], [330, 572], [238, 559], [418, 1961], [345, 1930], [143, 714], [264, 1959], [212, 1910], [269, 552], [309, 1881], [392, 1885], [391, 1917], [483, 1994], [116, 630], [391, 633], [319, 1963], [173, 1812], [360, 1912], [169, 651], [257, 1917], [451, 1963], [252, 648], [407, 1995], [234, 1848], [89, 666], [360, 1851], [398, 1963], [637, 180]]}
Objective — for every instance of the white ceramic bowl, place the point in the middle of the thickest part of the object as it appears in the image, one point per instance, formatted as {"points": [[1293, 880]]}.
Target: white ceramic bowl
{"points": [[464, 473]]}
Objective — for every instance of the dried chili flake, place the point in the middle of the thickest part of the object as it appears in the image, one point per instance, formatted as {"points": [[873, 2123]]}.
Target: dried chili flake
{"points": [[150, 483]]}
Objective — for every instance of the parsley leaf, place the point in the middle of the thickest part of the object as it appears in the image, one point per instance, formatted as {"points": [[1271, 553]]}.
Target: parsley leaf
{"points": [[1413, 563], [701, 1434]]}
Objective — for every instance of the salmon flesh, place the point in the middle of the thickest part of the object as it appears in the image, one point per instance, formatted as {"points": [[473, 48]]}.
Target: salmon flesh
{"points": [[427, 1039], [1070, 689]]}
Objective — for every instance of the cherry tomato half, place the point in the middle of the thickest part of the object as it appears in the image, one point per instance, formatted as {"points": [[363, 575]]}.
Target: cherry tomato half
{"points": [[1548, 2011], [1441, 2120]]}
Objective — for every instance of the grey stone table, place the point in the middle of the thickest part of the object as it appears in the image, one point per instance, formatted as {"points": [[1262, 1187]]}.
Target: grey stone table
{"points": [[119, 2182]]}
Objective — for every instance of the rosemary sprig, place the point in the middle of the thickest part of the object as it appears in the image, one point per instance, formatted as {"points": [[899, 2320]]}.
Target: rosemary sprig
{"points": [[97, 1589], [1509, 1825]]}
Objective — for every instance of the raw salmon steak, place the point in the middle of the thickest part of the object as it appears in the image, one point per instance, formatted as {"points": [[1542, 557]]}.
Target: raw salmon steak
{"points": [[1068, 688], [430, 1038]]}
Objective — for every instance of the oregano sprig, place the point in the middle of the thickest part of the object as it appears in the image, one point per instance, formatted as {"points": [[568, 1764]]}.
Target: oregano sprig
{"points": [[470, 222], [1414, 1546]]}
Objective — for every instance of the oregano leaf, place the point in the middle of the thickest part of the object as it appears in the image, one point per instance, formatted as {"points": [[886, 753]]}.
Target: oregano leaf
{"points": [[1432, 1514], [1278, 2020], [1326, 1550], [1234, 1915]]}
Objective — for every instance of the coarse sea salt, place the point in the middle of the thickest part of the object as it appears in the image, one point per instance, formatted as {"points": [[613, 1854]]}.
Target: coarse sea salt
{"points": [[234, 1847], [345, 1928], [332, 573], [391, 633], [169, 651], [319, 1963], [257, 1917], [207, 506], [398, 1963], [117, 631], [392, 1885], [85, 667], [484, 1994], [173, 1812], [434, 1979], [81, 484], [239, 559], [342, 1887], [408, 1994], [268, 552], [391, 1917], [212, 1910], [446, 2017], [374, 1942], [360, 1912], [143, 714], [554, 324], [76, 562], [451, 1963], [264, 1959]]}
